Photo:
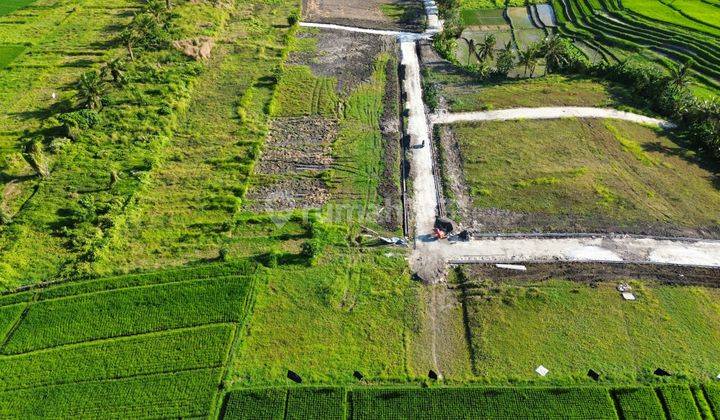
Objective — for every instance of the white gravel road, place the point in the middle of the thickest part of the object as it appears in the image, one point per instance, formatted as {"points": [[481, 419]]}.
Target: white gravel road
{"points": [[547, 113], [599, 249]]}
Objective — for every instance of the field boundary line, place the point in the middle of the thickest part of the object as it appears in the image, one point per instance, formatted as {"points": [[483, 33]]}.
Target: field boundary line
{"points": [[592, 235], [18, 320], [99, 341], [76, 343]]}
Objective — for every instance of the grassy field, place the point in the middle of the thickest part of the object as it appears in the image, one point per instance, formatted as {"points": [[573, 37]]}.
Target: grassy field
{"points": [[465, 94], [363, 300], [8, 53], [588, 175], [141, 345], [574, 328], [693, 14]]}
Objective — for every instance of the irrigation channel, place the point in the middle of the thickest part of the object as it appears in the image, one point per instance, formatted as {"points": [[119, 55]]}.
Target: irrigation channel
{"points": [[430, 256]]}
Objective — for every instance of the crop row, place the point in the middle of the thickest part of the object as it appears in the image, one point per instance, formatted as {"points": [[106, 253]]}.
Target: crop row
{"points": [[176, 395], [187, 349], [680, 401], [130, 311]]}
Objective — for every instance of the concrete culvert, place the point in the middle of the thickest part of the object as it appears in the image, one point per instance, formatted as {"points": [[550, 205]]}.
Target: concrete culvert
{"points": [[359, 376], [294, 377], [432, 375], [593, 375]]}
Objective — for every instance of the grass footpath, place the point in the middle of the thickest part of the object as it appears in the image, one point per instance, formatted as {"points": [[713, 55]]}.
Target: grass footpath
{"points": [[588, 175]]}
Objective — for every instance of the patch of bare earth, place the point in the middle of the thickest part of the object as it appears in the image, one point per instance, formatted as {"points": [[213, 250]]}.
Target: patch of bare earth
{"points": [[408, 15], [296, 150]]}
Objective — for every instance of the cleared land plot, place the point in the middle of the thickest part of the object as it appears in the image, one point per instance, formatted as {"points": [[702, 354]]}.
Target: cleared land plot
{"points": [[519, 18], [463, 94], [374, 14], [570, 327], [586, 175]]}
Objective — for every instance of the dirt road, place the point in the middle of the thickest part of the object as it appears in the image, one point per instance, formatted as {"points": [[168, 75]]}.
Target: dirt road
{"points": [[547, 113]]}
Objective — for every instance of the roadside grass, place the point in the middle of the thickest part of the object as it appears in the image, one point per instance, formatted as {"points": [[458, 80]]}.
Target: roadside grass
{"points": [[404, 12], [588, 175], [570, 328], [349, 312], [463, 93]]}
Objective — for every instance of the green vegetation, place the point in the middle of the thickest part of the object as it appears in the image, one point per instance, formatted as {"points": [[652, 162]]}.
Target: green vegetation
{"points": [[140, 345], [638, 403], [315, 403], [663, 328], [364, 300], [679, 402], [8, 53], [260, 404], [9, 6], [491, 403], [291, 99], [589, 161], [653, 30]]}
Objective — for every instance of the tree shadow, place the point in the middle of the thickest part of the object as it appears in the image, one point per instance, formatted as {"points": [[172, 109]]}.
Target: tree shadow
{"points": [[687, 151]]}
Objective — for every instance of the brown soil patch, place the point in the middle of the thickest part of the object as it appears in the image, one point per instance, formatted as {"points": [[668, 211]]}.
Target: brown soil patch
{"points": [[366, 13], [345, 56], [296, 150], [596, 272]]}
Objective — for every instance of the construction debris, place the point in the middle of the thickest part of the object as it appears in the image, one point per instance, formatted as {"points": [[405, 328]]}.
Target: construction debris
{"points": [[623, 287], [516, 267], [542, 370], [628, 296]]}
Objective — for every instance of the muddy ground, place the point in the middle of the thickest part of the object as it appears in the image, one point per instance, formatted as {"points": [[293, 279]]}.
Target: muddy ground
{"points": [[598, 272], [299, 150], [407, 15]]}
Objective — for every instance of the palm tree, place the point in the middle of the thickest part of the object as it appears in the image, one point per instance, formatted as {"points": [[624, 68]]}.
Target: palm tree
{"points": [[90, 90], [506, 60], [129, 37], [114, 70], [487, 48], [472, 48], [554, 52], [528, 58], [679, 75]]}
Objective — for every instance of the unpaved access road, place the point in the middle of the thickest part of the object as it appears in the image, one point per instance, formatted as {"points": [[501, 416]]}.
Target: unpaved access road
{"points": [[547, 113], [430, 255], [589, 249]]}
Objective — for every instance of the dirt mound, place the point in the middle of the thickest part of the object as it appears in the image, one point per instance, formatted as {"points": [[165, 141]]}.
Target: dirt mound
{"points": [[197, 48]]}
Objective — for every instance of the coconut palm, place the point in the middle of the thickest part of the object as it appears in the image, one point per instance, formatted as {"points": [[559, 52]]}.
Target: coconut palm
{"points": [[34, 156], [554, 52], [529, 58], [472, 48], [90, 90], [487, 48], [129, 37], [506, 60]]}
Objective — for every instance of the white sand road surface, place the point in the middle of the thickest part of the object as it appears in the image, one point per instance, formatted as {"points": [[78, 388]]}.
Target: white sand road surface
{"points": [[547, 113], [424, 202]]}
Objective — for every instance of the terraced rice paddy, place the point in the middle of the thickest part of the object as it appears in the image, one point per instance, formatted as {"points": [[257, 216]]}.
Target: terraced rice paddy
{"points": [[614, 32]]}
